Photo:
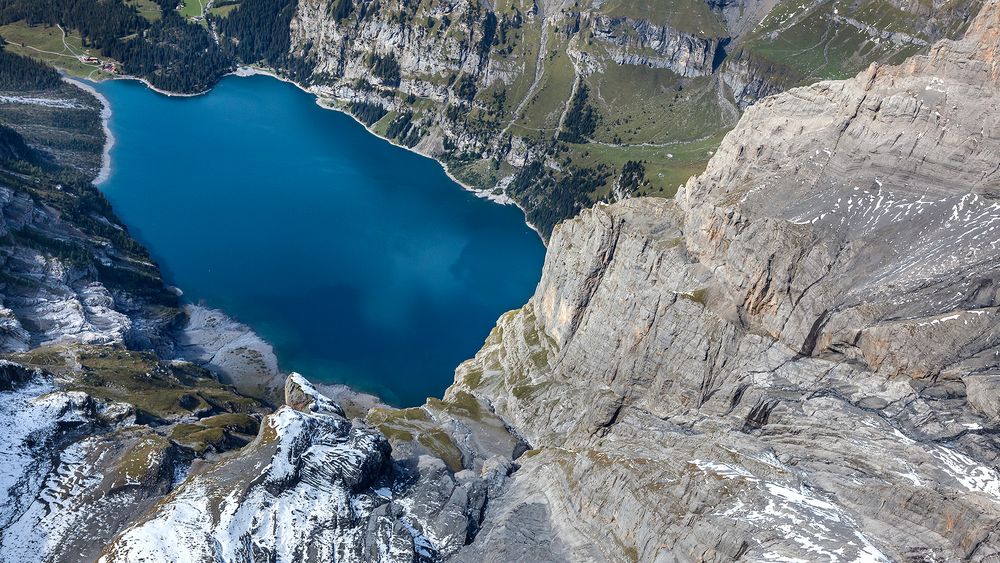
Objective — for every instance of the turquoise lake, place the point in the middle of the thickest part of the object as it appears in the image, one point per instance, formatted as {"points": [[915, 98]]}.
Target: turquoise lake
{"points": [[361, 262]]}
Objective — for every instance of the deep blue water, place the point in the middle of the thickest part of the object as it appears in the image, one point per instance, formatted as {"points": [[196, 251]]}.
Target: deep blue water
{"points": [[362, 263]]}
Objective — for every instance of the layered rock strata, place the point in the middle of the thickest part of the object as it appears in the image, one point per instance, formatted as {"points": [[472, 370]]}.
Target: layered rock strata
{"points": [[796, 359]]}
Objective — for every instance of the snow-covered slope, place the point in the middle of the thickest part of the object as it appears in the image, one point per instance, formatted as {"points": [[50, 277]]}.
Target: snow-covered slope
{"points": [[312, 486]]}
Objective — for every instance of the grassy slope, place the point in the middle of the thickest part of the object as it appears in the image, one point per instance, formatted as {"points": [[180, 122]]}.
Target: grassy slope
{"points": [[667, 166], [672, 124], [193, 8], [638, 106], [690, 16], [159, 390], [46, 44], [812, 42], [223, 11]]}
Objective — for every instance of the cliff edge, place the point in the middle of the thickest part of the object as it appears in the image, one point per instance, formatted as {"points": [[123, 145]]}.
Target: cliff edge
{"points": [[795, 359]]}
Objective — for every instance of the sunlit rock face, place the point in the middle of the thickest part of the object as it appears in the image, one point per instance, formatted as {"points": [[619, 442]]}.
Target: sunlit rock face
{"points": [[794, 359]]}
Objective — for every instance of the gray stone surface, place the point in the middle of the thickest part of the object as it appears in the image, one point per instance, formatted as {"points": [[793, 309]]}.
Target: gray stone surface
{"points": [[231, 349], [62, 301], [796, 359], [312, 486]]}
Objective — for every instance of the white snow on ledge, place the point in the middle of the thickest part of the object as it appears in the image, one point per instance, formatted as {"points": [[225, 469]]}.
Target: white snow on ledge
{"points": [[21, 417], [800, 516]]}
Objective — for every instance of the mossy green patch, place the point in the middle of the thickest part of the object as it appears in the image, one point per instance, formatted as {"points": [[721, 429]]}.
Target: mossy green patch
{"points": [[218, 432], [199, 438], [233, 422], [223, 11], [473, 377], [657, 107], [440, 445], [44, 357], [478, 173], [381, 126], [540, 359], [398, 424], [459, 404], [666, 166], [688, 16], [698, 296], [527, 390], [192, 8], [415, 424], [159, 390], [143, 461]]}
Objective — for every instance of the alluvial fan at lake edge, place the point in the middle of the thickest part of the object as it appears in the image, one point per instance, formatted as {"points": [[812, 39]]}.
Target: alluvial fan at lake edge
{"points": [[361, 262]]}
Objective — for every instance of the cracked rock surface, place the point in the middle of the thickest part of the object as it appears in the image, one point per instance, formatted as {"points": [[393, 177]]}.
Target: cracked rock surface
{"points": [[796, 359]]}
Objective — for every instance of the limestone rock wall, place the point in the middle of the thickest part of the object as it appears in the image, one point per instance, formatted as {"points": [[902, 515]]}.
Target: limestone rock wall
{"points": [[794, 359]]}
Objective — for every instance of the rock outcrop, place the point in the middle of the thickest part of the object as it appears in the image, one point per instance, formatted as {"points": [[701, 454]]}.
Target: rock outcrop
{"points": [[487, 88], [97, 438], [796, 359], [71, 270], [750, 80], [644, 43], [312, 486]]}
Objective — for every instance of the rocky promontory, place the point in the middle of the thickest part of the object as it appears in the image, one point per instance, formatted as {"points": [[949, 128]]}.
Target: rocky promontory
{"points": [[795, 359]]}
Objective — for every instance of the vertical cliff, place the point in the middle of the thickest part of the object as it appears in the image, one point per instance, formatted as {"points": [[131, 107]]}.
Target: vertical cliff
{"points": [[549, 103], [794, 359]]}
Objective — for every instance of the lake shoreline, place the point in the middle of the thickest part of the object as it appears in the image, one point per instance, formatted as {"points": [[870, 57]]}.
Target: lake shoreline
{"points": [[451, 249], [247, 71], [109, 138]]}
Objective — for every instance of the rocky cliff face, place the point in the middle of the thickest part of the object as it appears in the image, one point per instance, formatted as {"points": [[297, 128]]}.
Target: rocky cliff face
{"points": [[749, 79], [794, 359], [509, 95], [71, 271], [643, 43], [312, 486]]}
